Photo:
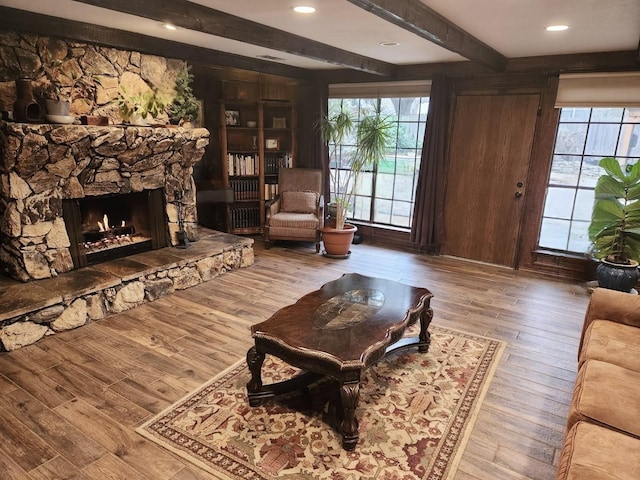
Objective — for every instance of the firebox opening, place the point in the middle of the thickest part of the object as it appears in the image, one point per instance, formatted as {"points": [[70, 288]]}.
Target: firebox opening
{"points": [[113, 226]]}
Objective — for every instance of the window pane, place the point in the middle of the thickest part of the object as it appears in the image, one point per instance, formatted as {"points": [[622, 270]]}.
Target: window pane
{"points": [[629, 145], [607, 115], [554, 233], [565, 170], [365, 184], [384, 185], [602, 139], [575, 114], [382, 213], [591, 171], [632, 115], [579, 237], [584, 205], [559, 202], [403, 188], [570, 138], [401, 213], [362, 208]]}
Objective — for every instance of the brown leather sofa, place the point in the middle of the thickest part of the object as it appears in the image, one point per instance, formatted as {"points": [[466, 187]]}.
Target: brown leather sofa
{"points": [[603, 427]]}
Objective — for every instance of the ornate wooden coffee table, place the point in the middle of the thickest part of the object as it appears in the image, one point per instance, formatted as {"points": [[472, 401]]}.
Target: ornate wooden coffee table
{"points": [[339, 331]]}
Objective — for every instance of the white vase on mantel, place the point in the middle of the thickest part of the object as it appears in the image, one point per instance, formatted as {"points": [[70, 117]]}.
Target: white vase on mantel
{"points": [[58, 107], [138, 120]]}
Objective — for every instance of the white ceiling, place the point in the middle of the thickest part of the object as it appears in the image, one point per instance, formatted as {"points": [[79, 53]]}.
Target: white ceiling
{"points": [[515, 28]]}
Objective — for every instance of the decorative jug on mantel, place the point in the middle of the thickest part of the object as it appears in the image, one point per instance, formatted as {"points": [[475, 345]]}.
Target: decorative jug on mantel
{"points": [[25, 108]]}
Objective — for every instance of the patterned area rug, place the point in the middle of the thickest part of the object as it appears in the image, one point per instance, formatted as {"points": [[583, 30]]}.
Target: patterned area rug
{"points": [[416, 412]]}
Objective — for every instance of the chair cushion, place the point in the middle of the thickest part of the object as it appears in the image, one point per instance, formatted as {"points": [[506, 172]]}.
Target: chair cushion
{"points": [[591, 452], [606, 395], [305, 221], [300, 202], [612, 342]]}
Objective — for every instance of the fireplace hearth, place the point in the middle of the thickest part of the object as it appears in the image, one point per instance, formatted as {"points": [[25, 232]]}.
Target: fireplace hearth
{"points": [[47, 172]]}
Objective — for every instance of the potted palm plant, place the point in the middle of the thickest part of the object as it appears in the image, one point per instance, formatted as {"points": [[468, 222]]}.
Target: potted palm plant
{"points": [[372, 134], [614, 231]]}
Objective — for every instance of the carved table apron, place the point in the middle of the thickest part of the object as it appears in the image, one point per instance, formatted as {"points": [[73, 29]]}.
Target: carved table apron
{"points": [[338, 331]]}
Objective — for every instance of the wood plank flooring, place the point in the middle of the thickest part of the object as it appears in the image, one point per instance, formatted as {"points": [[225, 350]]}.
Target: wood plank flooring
{"points": [[69, 404]]}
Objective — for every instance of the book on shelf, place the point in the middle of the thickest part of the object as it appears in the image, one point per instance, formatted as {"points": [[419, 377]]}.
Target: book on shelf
{"points": [[245, 189], [245, 217], [270, 191], [273, 163], [240, 165]]}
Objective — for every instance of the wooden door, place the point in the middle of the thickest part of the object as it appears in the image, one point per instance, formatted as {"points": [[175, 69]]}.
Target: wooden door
{"points": [[486, 181]]}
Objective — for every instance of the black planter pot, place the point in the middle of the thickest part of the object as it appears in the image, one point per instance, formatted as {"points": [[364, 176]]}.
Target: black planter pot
{"points": [[615, 276]]}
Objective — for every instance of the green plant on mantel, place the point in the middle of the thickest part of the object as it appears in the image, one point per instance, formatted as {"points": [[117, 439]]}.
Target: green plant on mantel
{"points": [[615, 222], [136, 107], [184, 107]]}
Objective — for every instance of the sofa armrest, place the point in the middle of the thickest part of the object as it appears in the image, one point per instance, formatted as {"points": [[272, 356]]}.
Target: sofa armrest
{"points": [[606, 304]]}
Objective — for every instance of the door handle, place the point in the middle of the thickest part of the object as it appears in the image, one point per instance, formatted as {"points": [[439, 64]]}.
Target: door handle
{"points": [[518, 194]]}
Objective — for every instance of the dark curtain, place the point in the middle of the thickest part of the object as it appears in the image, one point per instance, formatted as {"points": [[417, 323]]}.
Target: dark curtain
{"points": [[312, 151], [427, 231]]}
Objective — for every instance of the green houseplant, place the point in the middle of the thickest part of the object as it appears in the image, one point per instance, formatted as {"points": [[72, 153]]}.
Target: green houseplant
{"points": [[614, 231], [136, 107], [184, 107], [372, 134]]}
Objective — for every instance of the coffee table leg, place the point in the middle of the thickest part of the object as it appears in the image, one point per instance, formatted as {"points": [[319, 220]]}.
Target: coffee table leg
{"points": [[349, 396], [425, 337], [254, 362]]}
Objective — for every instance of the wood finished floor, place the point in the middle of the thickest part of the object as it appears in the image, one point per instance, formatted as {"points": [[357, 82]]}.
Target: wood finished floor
{"points": [[69, 404]]}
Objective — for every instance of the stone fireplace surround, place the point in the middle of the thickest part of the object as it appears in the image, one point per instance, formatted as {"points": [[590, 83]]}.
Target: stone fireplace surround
{"points": [[42, 164]]}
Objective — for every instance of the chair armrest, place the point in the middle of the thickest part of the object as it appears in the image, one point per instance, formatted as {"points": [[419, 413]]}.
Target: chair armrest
{"points": [[320, 212], [272, 206], [606, 304]]}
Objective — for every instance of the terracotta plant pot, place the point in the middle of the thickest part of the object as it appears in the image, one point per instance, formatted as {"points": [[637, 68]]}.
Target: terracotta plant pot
{"points": [[337, 242]]}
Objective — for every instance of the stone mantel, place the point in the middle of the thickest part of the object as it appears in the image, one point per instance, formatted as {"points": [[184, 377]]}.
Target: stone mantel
{"points": [[42, 164]]}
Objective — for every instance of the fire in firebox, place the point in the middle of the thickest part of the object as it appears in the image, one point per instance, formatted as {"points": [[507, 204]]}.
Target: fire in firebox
{"points": [[108, 237]]}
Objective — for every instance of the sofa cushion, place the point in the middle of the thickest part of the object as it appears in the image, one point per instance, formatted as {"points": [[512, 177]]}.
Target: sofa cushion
{"points": [[607, 395], [300, 202], [591, 452], [612, 342]]}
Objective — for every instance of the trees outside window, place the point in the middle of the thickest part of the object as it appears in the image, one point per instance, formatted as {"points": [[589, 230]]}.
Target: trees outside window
{"points": [[385, 195]]}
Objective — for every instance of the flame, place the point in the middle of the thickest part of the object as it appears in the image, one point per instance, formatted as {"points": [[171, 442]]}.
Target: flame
{"points": [[104, 225]]}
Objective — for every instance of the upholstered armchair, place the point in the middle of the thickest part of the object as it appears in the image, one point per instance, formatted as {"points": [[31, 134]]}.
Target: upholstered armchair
{"points": [[297, 212]]}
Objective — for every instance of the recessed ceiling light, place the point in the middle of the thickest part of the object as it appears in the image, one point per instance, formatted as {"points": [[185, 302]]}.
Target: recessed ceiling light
{"points": [[557, 28], [303, 9], [169, 26], [389, 44]]}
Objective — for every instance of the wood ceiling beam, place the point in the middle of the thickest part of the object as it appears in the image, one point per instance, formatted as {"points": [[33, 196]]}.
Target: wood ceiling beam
{"points": [[192, 16], [414, 16], [28, 22], [619, 61]]}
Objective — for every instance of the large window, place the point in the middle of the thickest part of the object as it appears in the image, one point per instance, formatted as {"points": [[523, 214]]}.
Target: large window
{"points": [[385, 195], [585, 135]]}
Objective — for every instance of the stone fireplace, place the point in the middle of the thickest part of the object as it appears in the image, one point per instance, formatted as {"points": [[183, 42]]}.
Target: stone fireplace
{"points": [[51, 176]]}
